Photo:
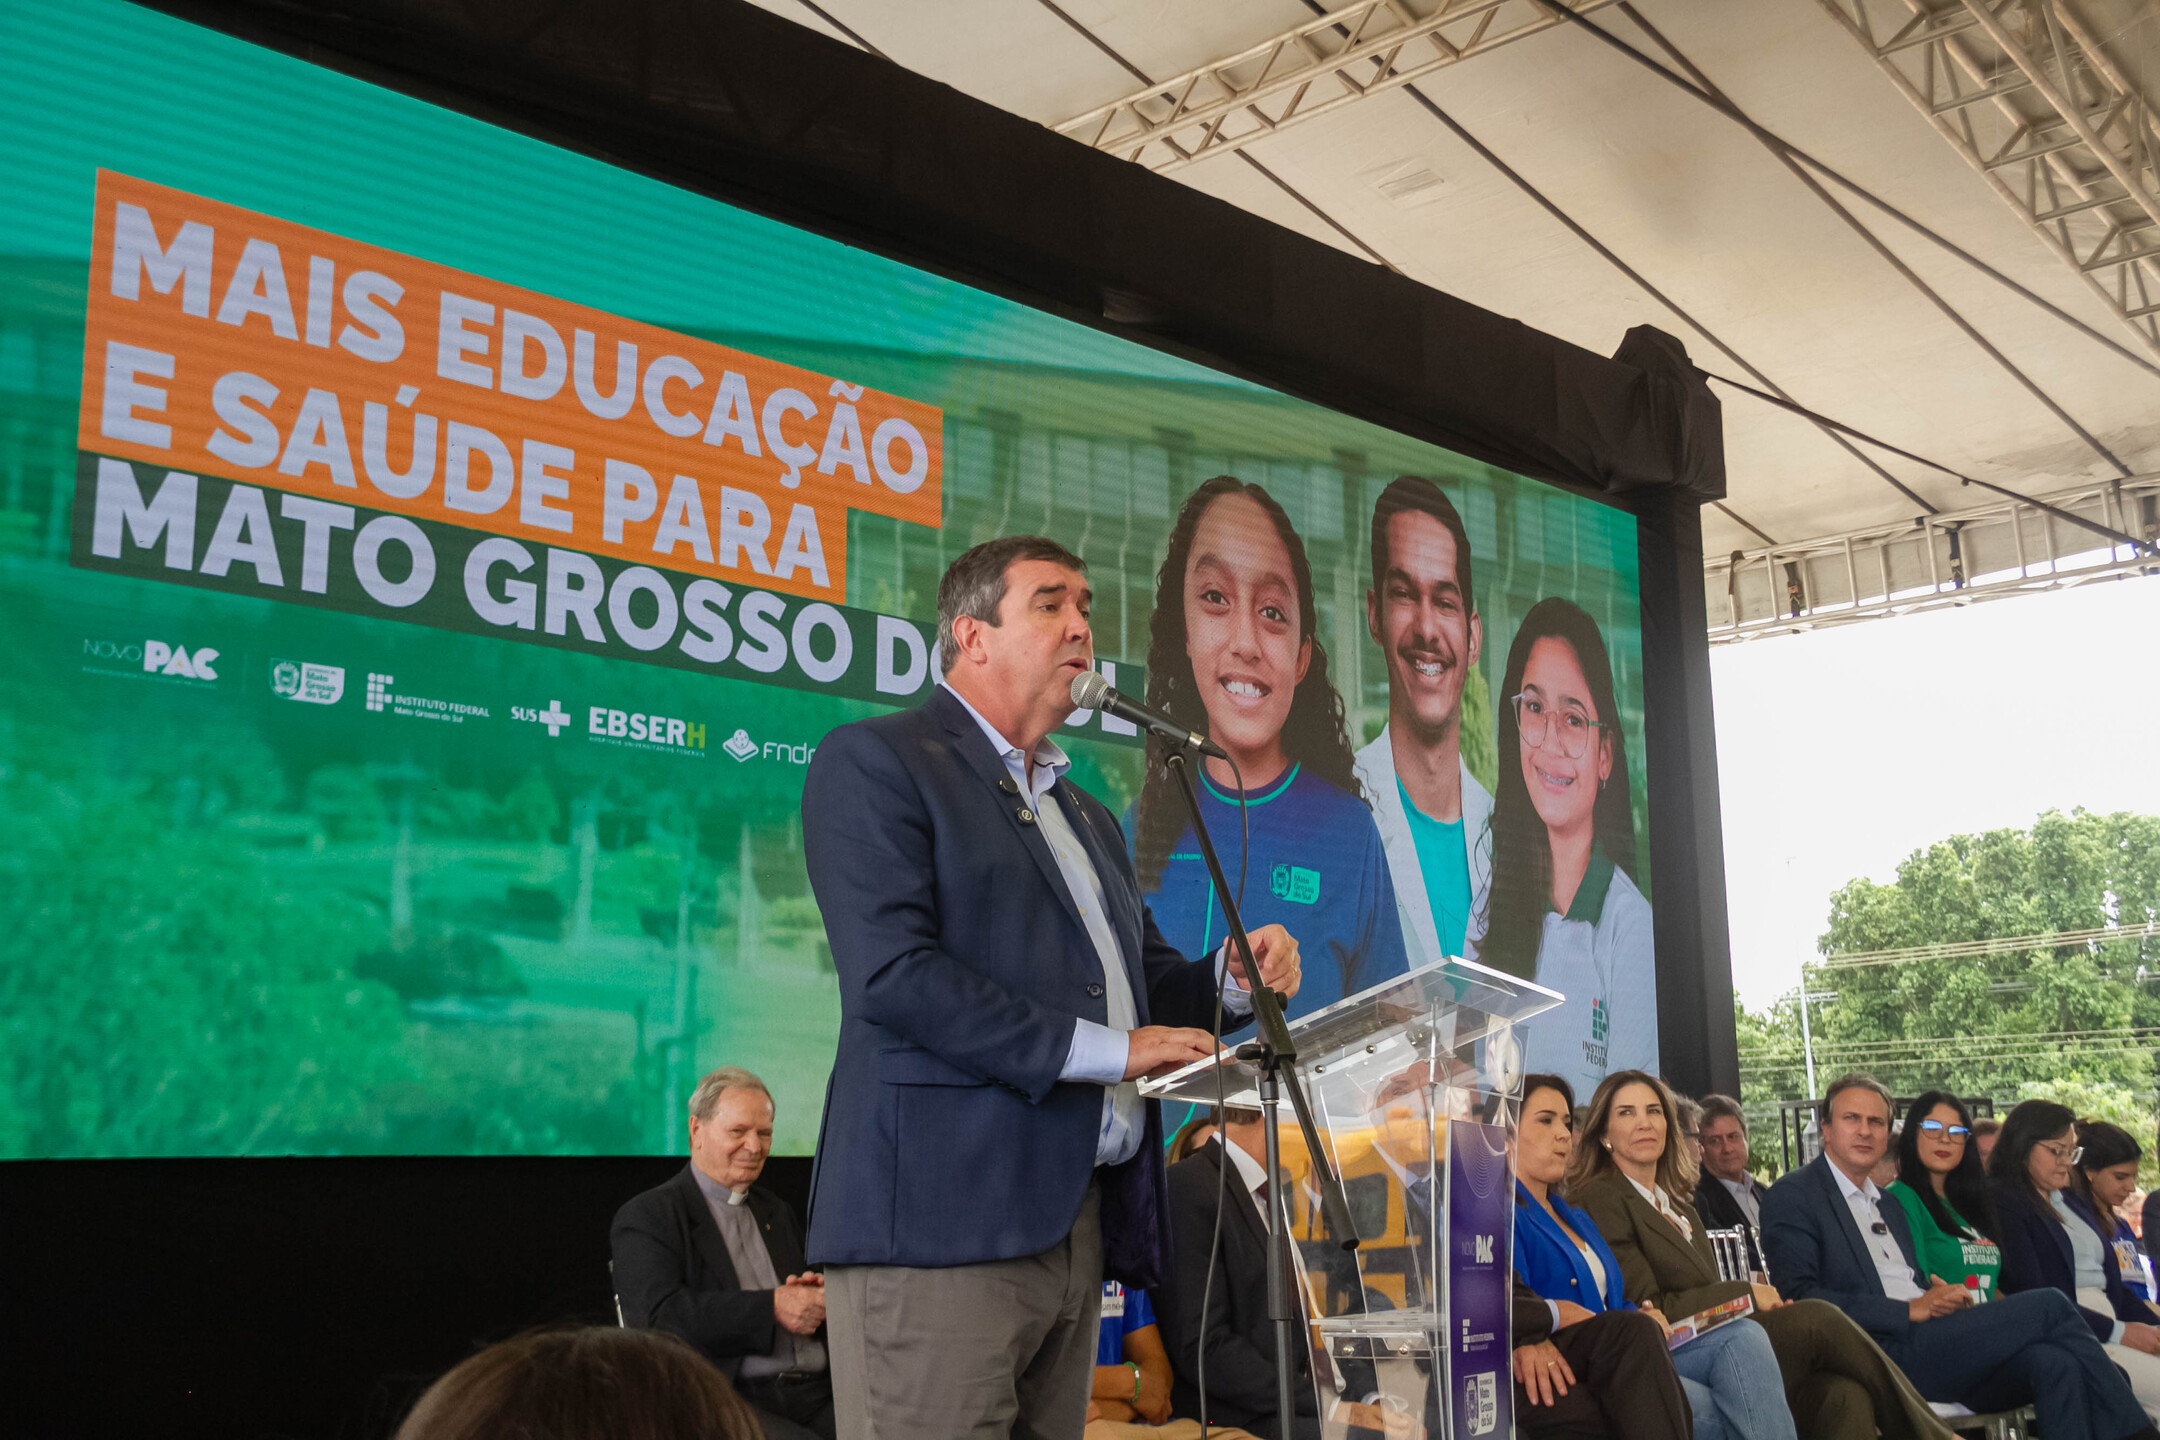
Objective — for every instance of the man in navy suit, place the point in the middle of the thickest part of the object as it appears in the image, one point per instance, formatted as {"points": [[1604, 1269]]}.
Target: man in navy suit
{"points": [[1829, 1237], [985, 1160]]}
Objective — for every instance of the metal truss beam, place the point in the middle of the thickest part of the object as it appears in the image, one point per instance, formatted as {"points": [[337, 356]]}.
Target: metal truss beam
{"points": [[1958, 557], [1357, 50], [2023, 91]]}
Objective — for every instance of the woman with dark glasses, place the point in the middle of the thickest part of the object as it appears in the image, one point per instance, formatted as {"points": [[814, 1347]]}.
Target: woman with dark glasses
{"points": [[1944, 1194]]}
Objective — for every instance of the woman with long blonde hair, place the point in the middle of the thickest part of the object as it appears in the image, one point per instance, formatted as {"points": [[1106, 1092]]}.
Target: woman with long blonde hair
{"points": [[1632, 1174]]}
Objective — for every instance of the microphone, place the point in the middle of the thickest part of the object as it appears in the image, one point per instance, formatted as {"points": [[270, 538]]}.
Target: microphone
{"points": [[1091, 692]]}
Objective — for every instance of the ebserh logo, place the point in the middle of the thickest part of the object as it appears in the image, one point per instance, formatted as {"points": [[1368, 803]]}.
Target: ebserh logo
{"points": [[740, 745], [307, 683], [378, 690], [661, 730]]}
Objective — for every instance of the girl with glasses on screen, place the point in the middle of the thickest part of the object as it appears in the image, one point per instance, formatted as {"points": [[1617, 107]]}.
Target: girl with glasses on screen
{"points": [[1944, 1194], [2051, 1239], [1233, 652], [1564, 909]]}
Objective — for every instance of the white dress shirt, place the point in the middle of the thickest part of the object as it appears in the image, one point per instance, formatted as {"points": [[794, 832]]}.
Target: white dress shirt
{"points": [[1743, 1194], [1865, 1202], [1662, 1203], [2088, 1262], [1099, 1052]]}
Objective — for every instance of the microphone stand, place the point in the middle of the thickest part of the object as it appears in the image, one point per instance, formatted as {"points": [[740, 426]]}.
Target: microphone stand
{"points": [[1276, 1052]]}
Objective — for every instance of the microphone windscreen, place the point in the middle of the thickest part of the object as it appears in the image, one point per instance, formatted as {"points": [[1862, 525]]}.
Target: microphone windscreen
{"points": [[1088, 689]]}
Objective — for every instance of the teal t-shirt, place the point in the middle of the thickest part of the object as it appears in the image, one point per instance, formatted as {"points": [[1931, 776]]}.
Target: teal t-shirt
{"points": [[1445, 863]]}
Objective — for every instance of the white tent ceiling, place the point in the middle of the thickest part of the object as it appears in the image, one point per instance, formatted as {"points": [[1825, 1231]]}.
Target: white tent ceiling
{"points": [[1686, 197]]}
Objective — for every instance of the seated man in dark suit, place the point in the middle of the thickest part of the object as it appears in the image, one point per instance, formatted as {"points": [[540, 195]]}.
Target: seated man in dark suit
{"points": [[1727, 1195], [1239, 1342], [1829, 1237], [719, 1261]]}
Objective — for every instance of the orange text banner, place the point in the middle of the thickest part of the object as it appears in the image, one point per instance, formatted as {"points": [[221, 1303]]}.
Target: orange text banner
{"points": [[224, 341]]}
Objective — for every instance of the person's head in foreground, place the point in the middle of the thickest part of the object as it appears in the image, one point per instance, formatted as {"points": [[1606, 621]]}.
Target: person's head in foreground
{"points": [[1563, 776], [587, 1384], [731, 1127], [1724, 1138]]}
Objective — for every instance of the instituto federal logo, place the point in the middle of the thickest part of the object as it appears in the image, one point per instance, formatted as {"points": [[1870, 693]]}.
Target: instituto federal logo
{"points": [[306, 682], [384, 696], [740, 745]]}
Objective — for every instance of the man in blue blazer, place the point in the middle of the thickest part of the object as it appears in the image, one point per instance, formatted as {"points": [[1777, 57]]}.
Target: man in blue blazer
{"points": [[1829, 1237], [985, 1161]]}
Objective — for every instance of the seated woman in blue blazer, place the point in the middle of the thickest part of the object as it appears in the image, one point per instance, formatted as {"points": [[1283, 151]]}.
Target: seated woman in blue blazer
{"points": [[1560, 1255], [2051, 1240]]}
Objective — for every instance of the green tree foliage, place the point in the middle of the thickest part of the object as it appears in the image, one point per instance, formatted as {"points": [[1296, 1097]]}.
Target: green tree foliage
{"points": [[161, 994], [2079, 1020]]}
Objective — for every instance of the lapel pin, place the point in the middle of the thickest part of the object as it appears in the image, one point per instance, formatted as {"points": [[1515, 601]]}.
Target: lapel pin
{"points": [[1026, 816]]}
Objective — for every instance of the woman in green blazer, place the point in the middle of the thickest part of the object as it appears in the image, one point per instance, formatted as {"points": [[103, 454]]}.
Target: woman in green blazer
{"points": [[1629, 1174]]}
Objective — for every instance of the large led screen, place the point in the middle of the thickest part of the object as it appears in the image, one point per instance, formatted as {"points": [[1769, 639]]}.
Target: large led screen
{"points": [[431, 559]]}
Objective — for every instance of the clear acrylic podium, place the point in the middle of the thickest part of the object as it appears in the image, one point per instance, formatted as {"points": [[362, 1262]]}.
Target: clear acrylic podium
{"points": [[1414, 1086]]}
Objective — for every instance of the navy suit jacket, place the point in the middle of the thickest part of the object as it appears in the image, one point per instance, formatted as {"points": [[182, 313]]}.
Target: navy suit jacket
{"points": [[1816, 1251], [948, 1138], [2036, 1256]]}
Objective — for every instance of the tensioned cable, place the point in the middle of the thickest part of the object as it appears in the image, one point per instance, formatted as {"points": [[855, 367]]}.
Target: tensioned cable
{"points": [[1281, 184], [1966, 949], [1769, 137], [1888, 256], [833, 20], [1606, 253], [2113, 536]]}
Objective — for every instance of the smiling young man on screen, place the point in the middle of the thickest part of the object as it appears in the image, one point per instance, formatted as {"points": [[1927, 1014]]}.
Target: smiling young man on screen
{"points": [[985, 1160]]}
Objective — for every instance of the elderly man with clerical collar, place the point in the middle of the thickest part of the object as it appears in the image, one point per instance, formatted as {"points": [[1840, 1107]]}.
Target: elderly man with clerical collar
{"points": [[718, 1259]]}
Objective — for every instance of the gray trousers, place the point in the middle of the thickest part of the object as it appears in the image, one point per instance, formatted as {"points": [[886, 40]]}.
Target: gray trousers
{"points": [[999, 1351]]}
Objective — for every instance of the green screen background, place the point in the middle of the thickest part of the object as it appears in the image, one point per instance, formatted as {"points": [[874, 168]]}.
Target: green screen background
{"points": [[243, 926]]}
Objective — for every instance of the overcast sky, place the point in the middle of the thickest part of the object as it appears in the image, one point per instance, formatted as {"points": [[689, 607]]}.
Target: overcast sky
{"points": [[1842, 752]]}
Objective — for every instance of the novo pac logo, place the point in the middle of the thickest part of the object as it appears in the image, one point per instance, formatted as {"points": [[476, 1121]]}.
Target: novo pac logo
{"points": [[153, 657], [308, 683]]}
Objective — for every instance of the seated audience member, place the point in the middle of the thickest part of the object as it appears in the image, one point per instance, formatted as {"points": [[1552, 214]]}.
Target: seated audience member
{"points": [[1587, 1362], [1829, 1238], [1944, 1195], [1727, 1195], [1808, 1369], [591, 1384], [1191, 1136], [1690, 1115], [2106, 1176], [2052, 1240], [715, 1258], [1131, 1399], [1983, 1137], [1238, 1344]]}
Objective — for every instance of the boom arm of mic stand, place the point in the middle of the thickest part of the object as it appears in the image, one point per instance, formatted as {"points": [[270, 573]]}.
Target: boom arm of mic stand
{"points": [[1278, 1050]]}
